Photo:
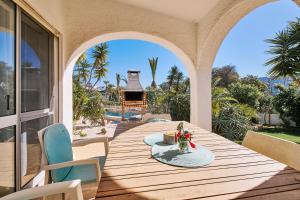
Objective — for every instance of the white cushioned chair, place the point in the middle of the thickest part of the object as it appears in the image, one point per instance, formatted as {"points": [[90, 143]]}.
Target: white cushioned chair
{"points": [[70, 190]]}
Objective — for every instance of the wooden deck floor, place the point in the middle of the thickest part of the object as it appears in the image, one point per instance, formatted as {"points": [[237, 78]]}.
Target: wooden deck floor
{"points": [[237, 172]]}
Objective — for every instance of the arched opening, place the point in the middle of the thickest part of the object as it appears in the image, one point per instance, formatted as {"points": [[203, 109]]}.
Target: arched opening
{"points": [[67, 76], [252, 46]]}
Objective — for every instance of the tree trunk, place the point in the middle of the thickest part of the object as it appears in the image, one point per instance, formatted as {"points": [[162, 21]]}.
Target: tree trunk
{"points": [[153, 84]]}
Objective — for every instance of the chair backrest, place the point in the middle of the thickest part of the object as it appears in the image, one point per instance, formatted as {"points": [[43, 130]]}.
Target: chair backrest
{"points": [[56, 148], [281, 150]]}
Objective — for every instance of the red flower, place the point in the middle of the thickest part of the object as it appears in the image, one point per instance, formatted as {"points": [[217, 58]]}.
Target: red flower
{"points": [[178, 134], [187, 136], [193, 145]]}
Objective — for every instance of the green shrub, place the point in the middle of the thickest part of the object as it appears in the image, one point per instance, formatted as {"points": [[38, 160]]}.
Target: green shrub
{"points": [[93, 109], [248, 111], [231, 123], [287, 103], [180, 107], [80, 97], [245, 93], [157, 100]]}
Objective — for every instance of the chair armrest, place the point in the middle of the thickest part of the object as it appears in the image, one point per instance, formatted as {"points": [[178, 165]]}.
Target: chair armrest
{"points": [[91, 161], [71, 187], [84, 142]]}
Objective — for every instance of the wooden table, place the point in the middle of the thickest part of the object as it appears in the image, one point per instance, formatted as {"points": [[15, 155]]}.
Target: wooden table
{"points": [[237, 172]]}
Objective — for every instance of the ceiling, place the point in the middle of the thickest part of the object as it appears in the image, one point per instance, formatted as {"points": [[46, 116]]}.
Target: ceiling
{"points": [[189, 10]]}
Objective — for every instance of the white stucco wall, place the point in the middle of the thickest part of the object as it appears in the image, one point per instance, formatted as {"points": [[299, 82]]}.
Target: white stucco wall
{"points": [[84, 23], [273, 119], [51, 10], [102, 17]]}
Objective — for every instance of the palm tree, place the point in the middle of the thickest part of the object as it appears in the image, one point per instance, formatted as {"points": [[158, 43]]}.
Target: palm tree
{"points": [[82, 69], [99, 54], [106, 89], [153, 66], [178, 78], [91, 73], [187, 84], [113, 93], [227, 75], [285, 48], [81, 58], [294, 30], [118, 80], [106, 83], [171, 76], [123, 78]]}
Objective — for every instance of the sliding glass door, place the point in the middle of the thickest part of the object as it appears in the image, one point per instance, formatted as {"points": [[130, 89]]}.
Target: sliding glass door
{"points": [[36, 84], [26, 95], [8, 117]]}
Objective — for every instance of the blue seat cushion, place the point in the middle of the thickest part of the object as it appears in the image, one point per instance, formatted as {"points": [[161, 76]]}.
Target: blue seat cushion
{"points": [[86, 173], [58, 149]]}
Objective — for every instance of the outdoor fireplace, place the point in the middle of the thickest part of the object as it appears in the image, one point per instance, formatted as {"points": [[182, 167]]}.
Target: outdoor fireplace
{"points": [[133, 95]]}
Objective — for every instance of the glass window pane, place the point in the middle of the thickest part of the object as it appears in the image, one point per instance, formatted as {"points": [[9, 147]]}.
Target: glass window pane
{"points": [[7, 58], [30, 147], [7, 160], [35, 60]]}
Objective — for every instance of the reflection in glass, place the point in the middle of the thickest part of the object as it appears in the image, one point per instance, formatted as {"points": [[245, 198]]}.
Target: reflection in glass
{"points": [[7, 160], [35, 62], [30, 147], [7, 58]]}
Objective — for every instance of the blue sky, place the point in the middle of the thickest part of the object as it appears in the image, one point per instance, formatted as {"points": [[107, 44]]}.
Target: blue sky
{"points": [[243, 47], [134, 54]]}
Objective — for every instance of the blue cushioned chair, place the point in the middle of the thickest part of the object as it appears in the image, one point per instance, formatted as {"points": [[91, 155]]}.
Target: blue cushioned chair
{"points": [[58, 156]]}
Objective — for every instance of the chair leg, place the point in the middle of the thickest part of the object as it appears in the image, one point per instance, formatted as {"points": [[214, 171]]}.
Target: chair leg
{"points": [[106, 146], [46, 181]]}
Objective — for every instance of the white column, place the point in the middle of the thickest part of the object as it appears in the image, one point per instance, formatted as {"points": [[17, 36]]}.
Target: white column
{"points": [[67, 101], [66, 97], [201, 99]]}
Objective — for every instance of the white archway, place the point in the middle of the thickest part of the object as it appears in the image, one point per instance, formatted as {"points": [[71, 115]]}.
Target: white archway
{"points": [[66, 115], [209, 41]]}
